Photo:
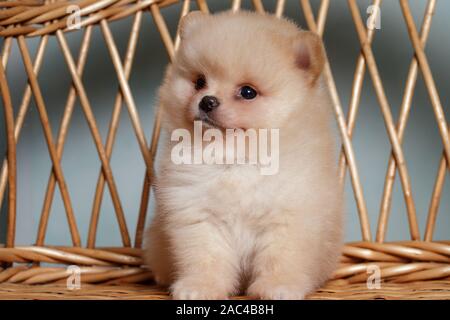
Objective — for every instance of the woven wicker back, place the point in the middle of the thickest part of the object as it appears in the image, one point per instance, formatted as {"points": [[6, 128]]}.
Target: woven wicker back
{"points": [[20, 20]]}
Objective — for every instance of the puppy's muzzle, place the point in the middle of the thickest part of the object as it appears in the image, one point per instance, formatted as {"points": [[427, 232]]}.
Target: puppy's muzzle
{"points": [[208, 103]]}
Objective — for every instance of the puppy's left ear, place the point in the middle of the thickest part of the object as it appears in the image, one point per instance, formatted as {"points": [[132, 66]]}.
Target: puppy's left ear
{"points": [[189, 21], [309, 54]]}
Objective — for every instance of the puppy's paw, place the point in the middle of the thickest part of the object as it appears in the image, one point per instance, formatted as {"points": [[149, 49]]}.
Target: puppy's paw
{"points": [[268, 290], [191, 289]]}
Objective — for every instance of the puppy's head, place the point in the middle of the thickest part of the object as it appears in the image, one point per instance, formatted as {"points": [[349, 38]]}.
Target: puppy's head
{"points": [[241, 70]]}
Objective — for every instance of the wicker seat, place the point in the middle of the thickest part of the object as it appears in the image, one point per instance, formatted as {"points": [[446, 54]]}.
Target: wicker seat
{"points": [[417, 268]]}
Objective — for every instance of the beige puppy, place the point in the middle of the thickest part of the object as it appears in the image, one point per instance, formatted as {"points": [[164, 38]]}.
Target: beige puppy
{"points": [[221, 230]]}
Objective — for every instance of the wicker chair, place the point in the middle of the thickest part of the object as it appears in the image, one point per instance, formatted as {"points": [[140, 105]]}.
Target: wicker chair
{"points": [[415, 268]]}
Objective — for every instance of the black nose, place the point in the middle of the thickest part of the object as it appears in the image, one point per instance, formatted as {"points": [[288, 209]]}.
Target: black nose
{"points": [[208, 103]]}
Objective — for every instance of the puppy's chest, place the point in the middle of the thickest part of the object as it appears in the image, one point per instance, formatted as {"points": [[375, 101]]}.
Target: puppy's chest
{"points": [[239, 193], [228, 196]]}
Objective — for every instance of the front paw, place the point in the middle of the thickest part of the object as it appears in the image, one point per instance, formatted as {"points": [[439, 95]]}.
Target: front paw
{"points": [[197, 289], [271, 290]]}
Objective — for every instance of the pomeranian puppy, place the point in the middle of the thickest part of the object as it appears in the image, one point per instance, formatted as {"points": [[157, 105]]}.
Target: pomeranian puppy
{"points": [[221, 230]]}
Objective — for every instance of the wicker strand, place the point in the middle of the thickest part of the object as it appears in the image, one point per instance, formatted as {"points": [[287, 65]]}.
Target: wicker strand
{"points": [[358, 80], [148, 178], [401, 126], [11, 156], [388, 119], [350, 155], [40, 104], [24, 104], [85, 104], [61, 138], [428, 77], [21, 114], [117, 109], [436, 197]]}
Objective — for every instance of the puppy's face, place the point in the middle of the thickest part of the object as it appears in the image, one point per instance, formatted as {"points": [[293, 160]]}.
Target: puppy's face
{"points": [[241, 70]]}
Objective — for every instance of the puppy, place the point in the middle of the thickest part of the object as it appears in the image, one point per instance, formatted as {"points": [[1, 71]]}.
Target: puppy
{"points": [[221, 230]]}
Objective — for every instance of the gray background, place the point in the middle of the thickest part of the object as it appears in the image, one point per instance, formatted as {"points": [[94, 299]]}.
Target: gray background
{"points": [[393, 52]]}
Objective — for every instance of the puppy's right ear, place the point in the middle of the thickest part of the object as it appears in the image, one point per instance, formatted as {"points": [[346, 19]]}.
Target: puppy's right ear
{"points": [[309, 54], [189, 21]]}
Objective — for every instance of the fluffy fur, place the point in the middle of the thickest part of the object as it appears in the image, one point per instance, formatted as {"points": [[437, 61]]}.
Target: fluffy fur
{"points": [[221, 230]]}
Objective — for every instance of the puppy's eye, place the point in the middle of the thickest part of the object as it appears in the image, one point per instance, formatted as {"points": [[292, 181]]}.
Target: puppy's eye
{"points": [[248, 93], [200, 83]]}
